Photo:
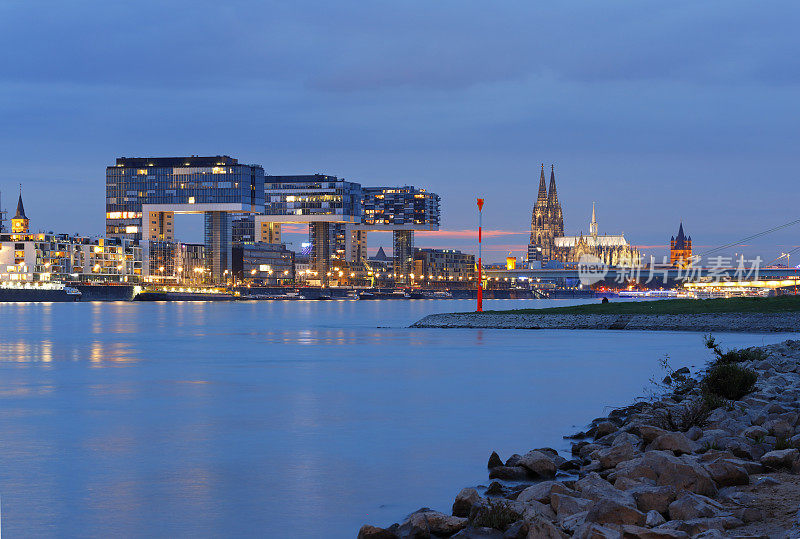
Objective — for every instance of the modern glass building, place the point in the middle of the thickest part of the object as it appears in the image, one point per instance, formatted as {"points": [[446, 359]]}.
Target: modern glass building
{"points": [[313, 195], [401, 210], [144, 193], [405, 207]]}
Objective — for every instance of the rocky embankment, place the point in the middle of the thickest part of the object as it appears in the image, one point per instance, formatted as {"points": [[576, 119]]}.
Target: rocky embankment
{"points": [[707, 323], [688, 464]]}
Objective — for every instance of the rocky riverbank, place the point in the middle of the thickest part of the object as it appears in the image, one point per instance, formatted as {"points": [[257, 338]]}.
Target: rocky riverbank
{"points": [[716, 456], [707, 323]]}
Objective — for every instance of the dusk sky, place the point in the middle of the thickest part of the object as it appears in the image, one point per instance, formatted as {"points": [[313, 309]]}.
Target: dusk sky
{"points": [[657, 111]]}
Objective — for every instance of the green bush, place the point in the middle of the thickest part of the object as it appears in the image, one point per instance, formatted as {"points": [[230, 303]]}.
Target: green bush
{"points": [[729, 381], [494, 514], [733, 356]]}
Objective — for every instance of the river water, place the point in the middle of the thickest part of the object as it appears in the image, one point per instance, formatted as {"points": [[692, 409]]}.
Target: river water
{"points": [[285, 419]]}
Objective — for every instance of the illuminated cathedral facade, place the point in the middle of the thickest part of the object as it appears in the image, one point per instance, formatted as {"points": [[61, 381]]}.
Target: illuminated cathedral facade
{"points": [[548, 242]]}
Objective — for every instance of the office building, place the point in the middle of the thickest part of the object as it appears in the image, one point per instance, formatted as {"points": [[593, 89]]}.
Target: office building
{"points": [[144, 193]]}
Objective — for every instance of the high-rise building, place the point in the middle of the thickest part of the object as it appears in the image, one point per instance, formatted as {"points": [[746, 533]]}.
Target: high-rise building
{"points": [[680, 249], [144, 193]]}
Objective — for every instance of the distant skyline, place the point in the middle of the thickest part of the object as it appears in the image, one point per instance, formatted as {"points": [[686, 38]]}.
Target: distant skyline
{"points": [[657, 112]]}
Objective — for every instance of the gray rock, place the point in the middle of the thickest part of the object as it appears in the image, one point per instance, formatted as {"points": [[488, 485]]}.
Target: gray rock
{"points": [[545, 530], [541, 492], [441, 524], [374, 532], [654, 518], [609, 457], [749, 514], [649, 433], [509, 473], [572, 522], [604, 428], [464, 502], [682, 473], [754, 432], [766, 482], [517, 530], [637, 532], [653, 498], [726, 473], [478, 533], [691, 506], [782, 458], [694, 433], [676, 442], [538, 463], [594, 487], [608, 511], [590, 530], [494, 460], [565, 505], [779, 428]]}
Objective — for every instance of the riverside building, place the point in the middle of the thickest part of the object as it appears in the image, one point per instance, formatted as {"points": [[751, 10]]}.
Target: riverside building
{"points": [[44, 257], [144, 193]]}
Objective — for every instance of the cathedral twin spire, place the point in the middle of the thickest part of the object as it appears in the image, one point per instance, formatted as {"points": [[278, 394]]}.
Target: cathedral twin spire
{"points": [[547, 219]]}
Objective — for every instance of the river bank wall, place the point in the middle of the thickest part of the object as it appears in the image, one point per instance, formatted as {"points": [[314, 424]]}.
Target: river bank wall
{"points": [[708, 323]]}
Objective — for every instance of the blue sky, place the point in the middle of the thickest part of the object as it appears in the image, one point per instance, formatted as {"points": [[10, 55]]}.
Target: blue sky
{"points": [[656, 111]]}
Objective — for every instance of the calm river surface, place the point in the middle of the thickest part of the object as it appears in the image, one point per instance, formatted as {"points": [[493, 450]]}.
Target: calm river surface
{"points": [[284, 419]]}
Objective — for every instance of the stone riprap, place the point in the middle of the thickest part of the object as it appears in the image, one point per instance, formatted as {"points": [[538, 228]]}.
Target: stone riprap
{"points": [[717, 322], [656, 469]]}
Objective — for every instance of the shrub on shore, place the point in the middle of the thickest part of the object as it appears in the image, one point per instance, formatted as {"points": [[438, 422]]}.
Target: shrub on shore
{"points": [[729, 381], [733, 355]]}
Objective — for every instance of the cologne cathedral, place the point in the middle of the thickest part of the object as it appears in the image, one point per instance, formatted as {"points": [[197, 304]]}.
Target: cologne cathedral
{"points": [[548, 241]]}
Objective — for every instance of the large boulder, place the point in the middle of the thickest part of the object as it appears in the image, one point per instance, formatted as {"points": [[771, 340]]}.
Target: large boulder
{"points": [[464, 502], [609, 457], [478, 533], [592, 530], [691, 506], [509, 473], [676, 442], [441, 524], [539, 464], [726, 473], [637, 532], [494, 460], [779, 428], [565, 505], [649, 433], [594, 487], [655, 498], [607, 511], [604, 428], [541, 492], [754, 432], [782, 458], [374, 532], [654, 518], [545, 530], [682, 473]]}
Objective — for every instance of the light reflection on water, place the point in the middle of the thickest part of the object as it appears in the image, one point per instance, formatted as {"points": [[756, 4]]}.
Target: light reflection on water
{"points": [[284, 419]]}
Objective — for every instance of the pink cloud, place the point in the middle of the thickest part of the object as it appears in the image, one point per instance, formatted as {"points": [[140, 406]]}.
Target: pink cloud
{"points": [[466, 233]]}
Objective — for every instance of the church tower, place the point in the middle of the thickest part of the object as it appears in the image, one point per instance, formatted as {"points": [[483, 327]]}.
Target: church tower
{"points": [[593, 224], [20, 223], [547, 221], [680, 249]]}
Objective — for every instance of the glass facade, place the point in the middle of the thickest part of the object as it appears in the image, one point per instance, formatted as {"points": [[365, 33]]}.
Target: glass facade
{"points": [[400, 207], [136, 181], [315, 194]]}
